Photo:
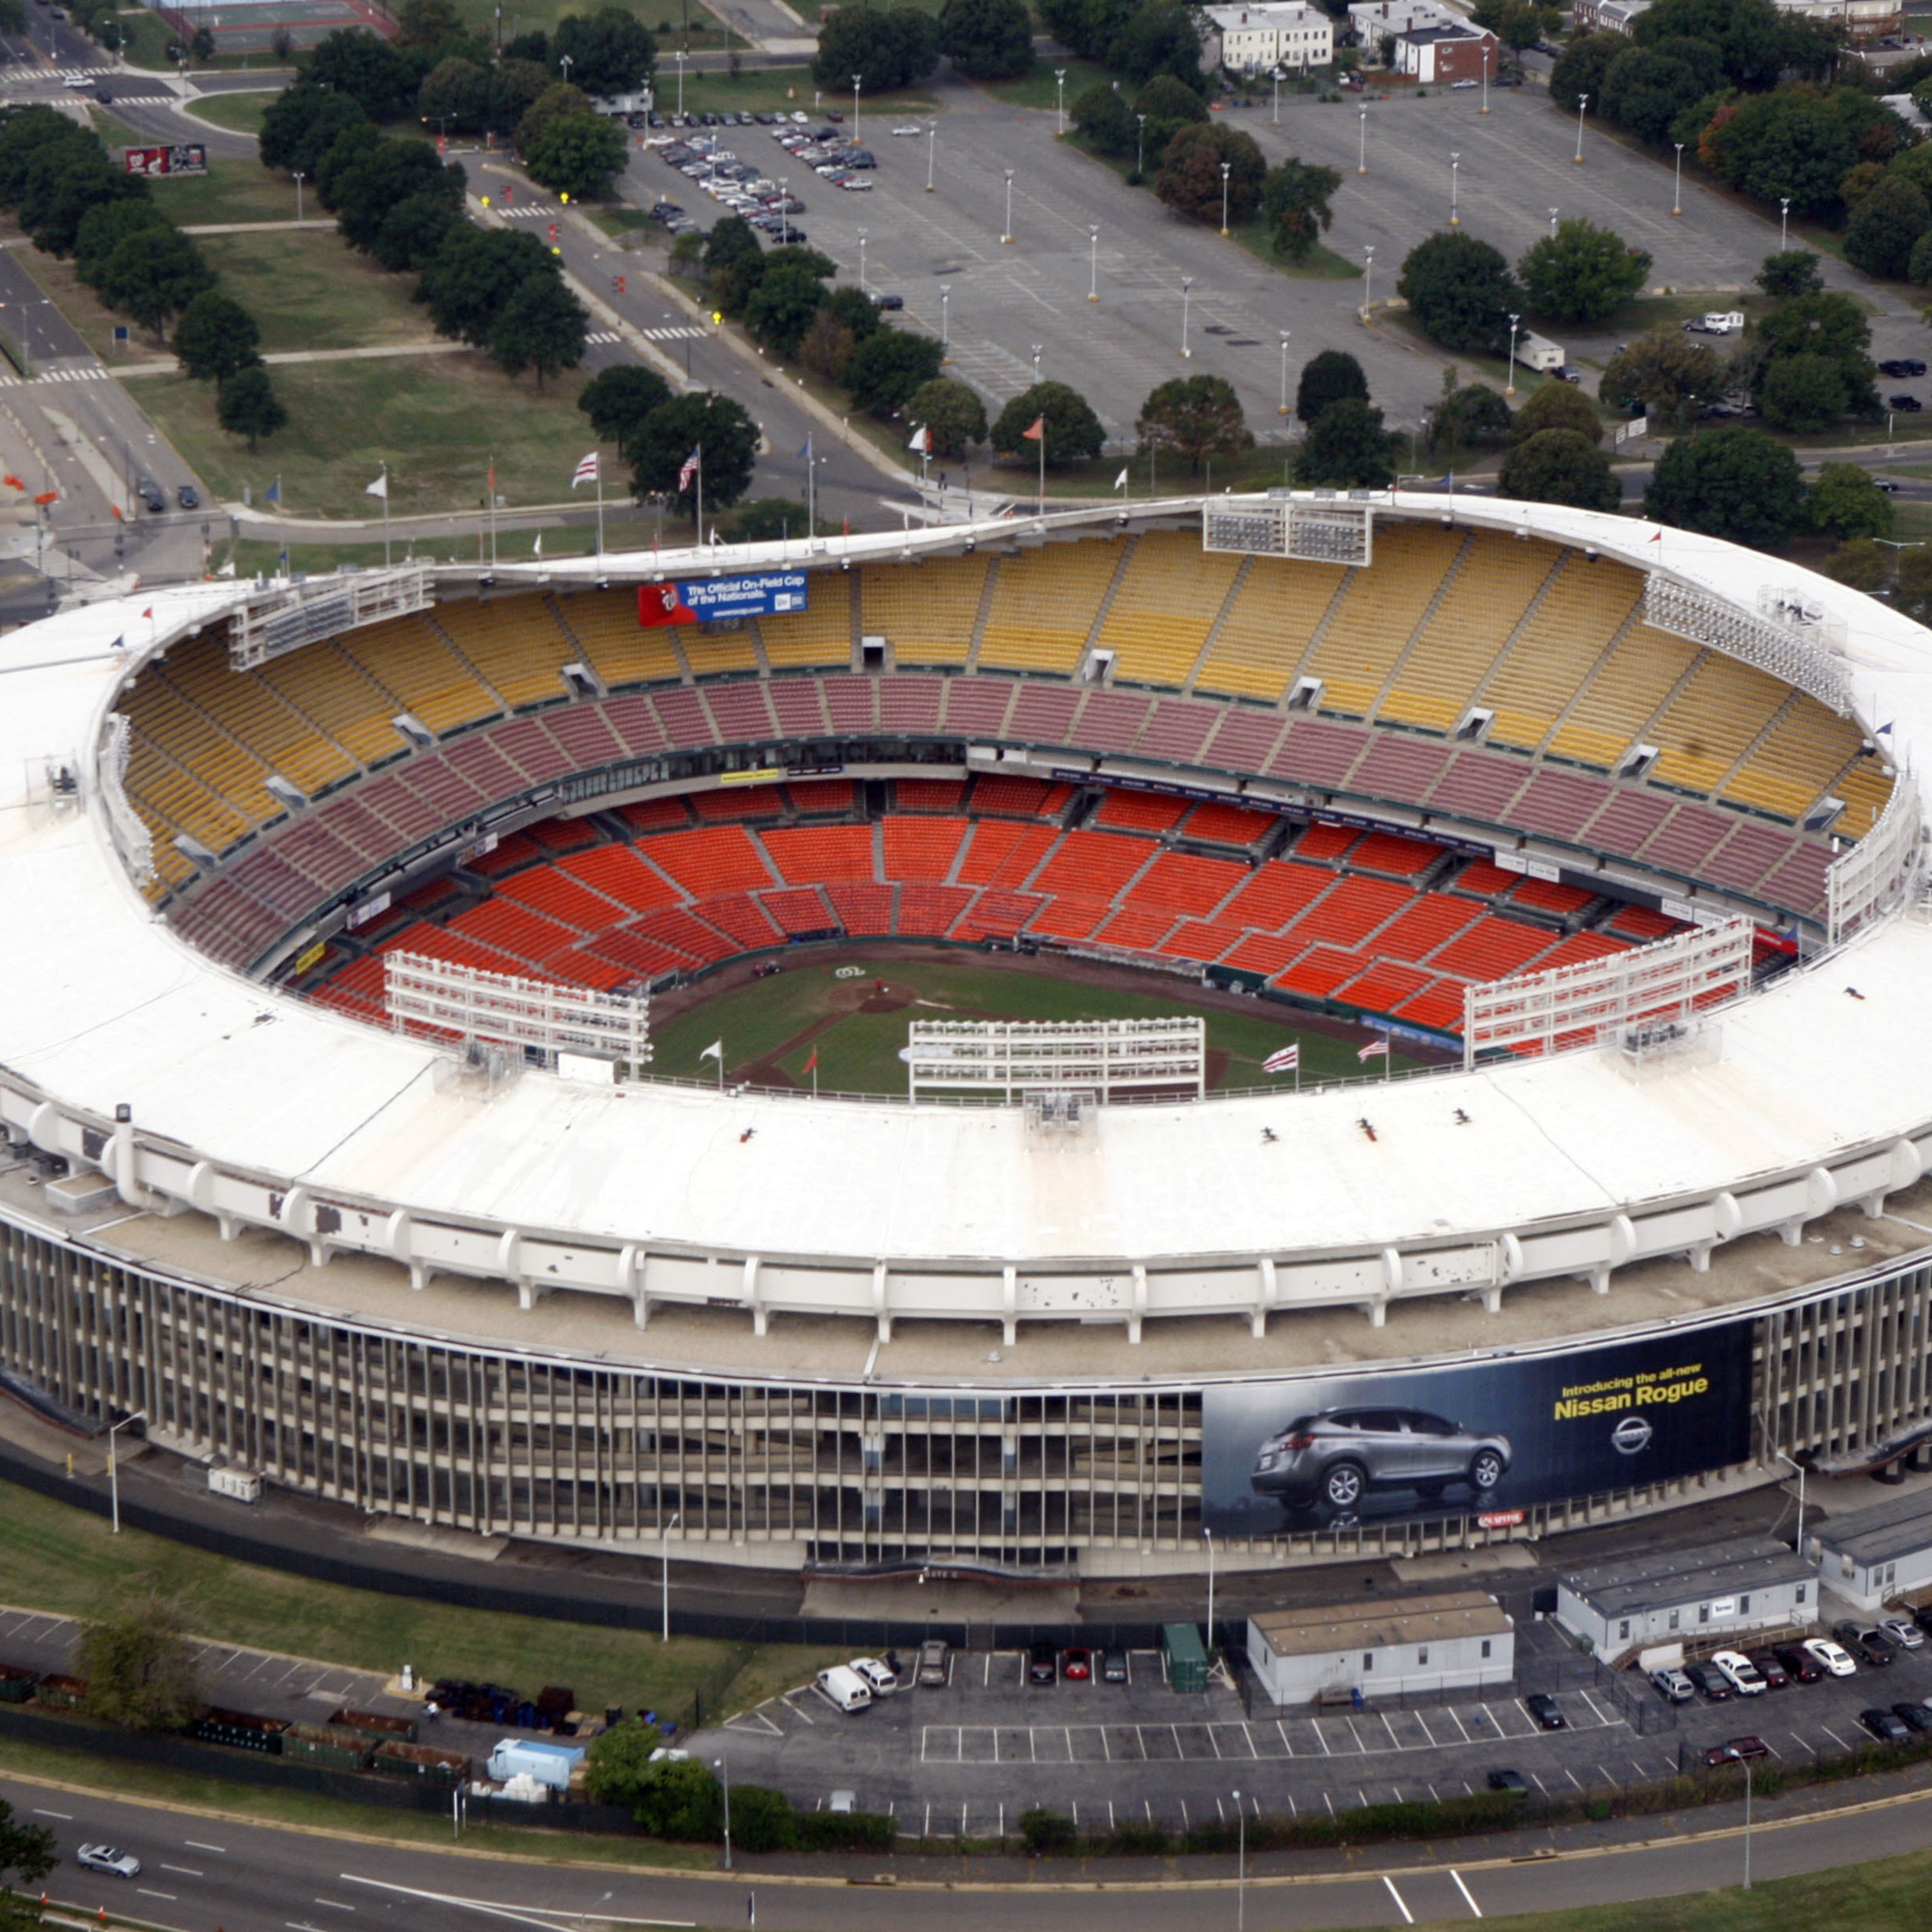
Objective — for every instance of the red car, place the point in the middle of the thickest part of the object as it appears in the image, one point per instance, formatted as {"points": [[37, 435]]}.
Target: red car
{"points": [[1735, 1750], [1076, 1665]]}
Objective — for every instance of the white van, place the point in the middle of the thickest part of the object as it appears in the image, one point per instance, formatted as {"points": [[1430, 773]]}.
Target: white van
{"points": [[845, 1688], [878, 1678]]}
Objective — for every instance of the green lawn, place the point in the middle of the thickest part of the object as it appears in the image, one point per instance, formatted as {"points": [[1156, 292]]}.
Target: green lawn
{"points": [[53, 1557], [858, 1052], [308, 291], [231, 191], [761, 90], [240, 112], [434, 420]]}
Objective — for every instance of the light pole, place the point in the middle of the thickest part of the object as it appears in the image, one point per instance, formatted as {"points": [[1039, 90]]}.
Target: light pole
{"points": [[1455, 170], [1553, 224], [1227, 170], [1140, 146], [668, 1527], [1489, 50], [679, 57], [300, 177], [1800, 1468], [1093, 262], [1282, 410], [1583, 101], [1509, 387], [566, 61], [724, 1771], [1747, 1823], [113, 1467], [862, 261], [1240, 1866], [931, 142], [855, 110], [1186, 283], [583, 1915], [1677, 189], [1059, 100], [1276, 122], [1368, 280], [784, 219], [1783, 223], [945, 320], [1208, 1537], [1006, 235], [1362, 145]]}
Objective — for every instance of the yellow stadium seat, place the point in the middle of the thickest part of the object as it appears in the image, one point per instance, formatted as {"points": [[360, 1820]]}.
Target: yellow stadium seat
{"points": [[408, 657], [1793, 765], [927, 612], [619, 649], [1170, 594], [1625, 693], [244, 705], [331, 690], [1713, 722], [1371, 626], [1264, 631], [820, 633], [1045, 602], [515, 644]]}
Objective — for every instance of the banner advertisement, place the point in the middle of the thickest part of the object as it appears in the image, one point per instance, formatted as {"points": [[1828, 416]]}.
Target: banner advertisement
{"points": [[705, 600], [191, 159], [1483, 1438]]}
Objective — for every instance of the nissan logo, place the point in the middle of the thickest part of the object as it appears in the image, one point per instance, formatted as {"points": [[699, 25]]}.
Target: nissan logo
{"points": [[1631, 1435]]}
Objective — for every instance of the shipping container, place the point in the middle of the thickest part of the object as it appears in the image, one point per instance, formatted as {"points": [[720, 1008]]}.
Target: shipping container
{"points": [[61, 1694], [553, 1764], [242, 1730], [17, 1684], [422, 1762], [379, 1726], [1186, 1660], [328, 1745]]}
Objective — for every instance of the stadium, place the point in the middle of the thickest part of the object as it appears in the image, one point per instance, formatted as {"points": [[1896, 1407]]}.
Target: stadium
{"points": [[347, 1150]]}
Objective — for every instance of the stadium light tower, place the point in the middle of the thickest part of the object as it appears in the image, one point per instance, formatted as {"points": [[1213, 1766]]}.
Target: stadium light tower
{"points": [[1059, 100]]}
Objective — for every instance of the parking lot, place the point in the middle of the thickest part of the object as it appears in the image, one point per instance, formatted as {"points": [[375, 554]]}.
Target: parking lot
{"points": [[1007, 299], [967, 1758]]}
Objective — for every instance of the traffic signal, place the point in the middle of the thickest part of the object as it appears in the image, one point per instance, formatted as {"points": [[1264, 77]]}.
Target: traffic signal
{"points": [[617, 284], [553, 231]]}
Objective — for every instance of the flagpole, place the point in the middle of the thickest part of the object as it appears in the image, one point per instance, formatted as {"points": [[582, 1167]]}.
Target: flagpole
{"points": [[600, 508], [811, 495], [720, 1067], [1039, 508], [699, 501], [489, 480], [385, 516]]}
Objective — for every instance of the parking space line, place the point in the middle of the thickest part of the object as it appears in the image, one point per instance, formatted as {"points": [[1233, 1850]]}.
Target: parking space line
{"points": [[1449, 1710], [1422, 1724], [1287, 1742], [1395, 1743], [1321, 1738], [1249, 1736], [1596, 1707], [1835, 1737], [1210, 1730], [1474, 1907], [1407, 1917]]}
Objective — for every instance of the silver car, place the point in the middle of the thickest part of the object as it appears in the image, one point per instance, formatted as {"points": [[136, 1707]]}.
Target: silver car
{"points": [[1335, 1458]]}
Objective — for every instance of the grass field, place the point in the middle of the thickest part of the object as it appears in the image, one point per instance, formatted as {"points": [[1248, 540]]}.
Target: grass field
{"points": [[435, 420], [231, 191], [242, 113], [53, 1557], [307, 291], [764, 1025]]}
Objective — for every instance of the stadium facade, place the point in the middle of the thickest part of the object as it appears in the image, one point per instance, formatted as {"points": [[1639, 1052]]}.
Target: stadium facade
{"points": [[1659, 1227]]}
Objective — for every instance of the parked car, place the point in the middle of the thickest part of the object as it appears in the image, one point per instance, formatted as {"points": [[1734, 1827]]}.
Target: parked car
{"points": [[1889, 484], [888, 301], [1909, 406], [1735, 1750], [1673, 1686], [844, 1802], [149, 492], [1739, 1672], [1901, 1633], [1042, 1665], [1913, 1717], [900, 132], [1902, 365], [1834, 1661], [1543, 1707], [187, 497], [1337, 1455], [108, 1859], [1076, 1664], [1803, 1667], [1711, 1681], [879, 1678], [1113, 1665], [1775, 1676], [1865, 1643], [845, 1688], [1508, 1780], [932, 1671], [1885, 1726]]}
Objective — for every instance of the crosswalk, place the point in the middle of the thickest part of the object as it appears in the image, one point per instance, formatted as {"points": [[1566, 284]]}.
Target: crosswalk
{"points": [[603, 335], [525, 210], [678, 335], [96, 374]]}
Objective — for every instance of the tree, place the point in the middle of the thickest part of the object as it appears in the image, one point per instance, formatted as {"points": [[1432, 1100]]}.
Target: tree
{"points": [[825, 348], [782, 306], [987, 39], [1794, 272], [106, 225], [952, 414], [1802, 394], [1073, 432], [153, 275], [302, 123], [1794, 142], [1846, 503], [381, 80], [1885, 225], [1333, 375], [516, 86], [766, 520], [610, 51], [556, 100], [426, 24], [1347, 447], [1917, 271], [1646, 89], [1190, 181], [533, 46], [1863, 564], [1558, 406], [1827, 324], [216, 338], [734, 263], [53, 216], [29, 1853], [1296, 202], [1102, 117], [1664, 371], [382, 171], [140, 1673], [578, 154], [455, 93], [888, 366], [1517, 23], [617, 400], [1581, 67], [476, 271], [885, 48], [1160, 37], [1197, 417], [1729, 481], [541, 327], [1169, 105], [1471, 417], [414, 231], [714, 423], [249, 407], [1557, 466], [1581, 273], [1460, 292]]}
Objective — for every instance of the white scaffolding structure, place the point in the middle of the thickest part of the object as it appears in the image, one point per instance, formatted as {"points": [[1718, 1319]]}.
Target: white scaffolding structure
{"points": [[302, 613], [1876, 876], [434, 996], [1330, 530], [1793, 641], [1667, 984], [1101, 1057]]}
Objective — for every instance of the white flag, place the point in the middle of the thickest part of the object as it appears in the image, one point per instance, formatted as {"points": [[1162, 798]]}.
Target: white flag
{"points": [[1375, 1047], [1287, 1059], [1121, 481], [921, 440], [536, 549], [586, 471], [380, 488], [716, 1050]]}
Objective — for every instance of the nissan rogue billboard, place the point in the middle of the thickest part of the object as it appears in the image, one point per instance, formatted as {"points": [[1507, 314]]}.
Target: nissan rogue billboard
{"points": [[1487, 1437]]}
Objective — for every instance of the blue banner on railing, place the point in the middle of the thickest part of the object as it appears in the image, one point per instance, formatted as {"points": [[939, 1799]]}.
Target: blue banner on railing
{"points": [[705, 600]]}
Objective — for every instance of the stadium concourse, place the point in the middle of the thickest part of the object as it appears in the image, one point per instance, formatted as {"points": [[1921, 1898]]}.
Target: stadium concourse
{"points": [[1586, 799]]}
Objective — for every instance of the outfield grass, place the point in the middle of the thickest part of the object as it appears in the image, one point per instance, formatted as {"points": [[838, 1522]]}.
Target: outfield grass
{"points": [[858, 1052], [53, 1557], [308, 291], [435, 421], [242, 113], [231, 191]]}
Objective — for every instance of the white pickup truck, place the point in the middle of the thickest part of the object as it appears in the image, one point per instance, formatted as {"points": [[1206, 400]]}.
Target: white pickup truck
{"points": [[1718, 322]]}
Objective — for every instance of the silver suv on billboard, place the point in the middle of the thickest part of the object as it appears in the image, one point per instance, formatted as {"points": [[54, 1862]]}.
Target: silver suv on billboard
{"points": [[1337, 1457]]}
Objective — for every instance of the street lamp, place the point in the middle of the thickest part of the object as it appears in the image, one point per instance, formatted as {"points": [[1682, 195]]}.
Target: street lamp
{"points": [[1059, 100], [1368, 280], [1227, 170], [113, 1468], [1783, 222], [1583, 101], [1747, 1823], [862, 261], [1276, 122], [679, 57], [1800, 1468], [1007, 234], [784, 219], [1509, 387], [1140, 146], [1240, 1866], [566, 61], [945, 320], [668, 1527], [1489, 48], [1035, 365], [300, 177], [1093, 261], [1455, 169], [1362, 145], [1283, 410], [1553, 224], [1208, 1537], [724, 1771], [1677, 190], [931, 142], [855, 110], [1186, 283]]}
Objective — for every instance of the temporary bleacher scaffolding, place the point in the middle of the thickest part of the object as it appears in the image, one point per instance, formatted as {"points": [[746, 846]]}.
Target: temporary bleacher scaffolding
{"points": [[1781, 642], [1876, 876], [1328, 530], [1010, 1056], [438, 997], [301, 613]]}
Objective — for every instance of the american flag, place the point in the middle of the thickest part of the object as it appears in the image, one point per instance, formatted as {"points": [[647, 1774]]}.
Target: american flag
{"points": [[690, 469], [1288, 1061], [1375, 1049]]}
